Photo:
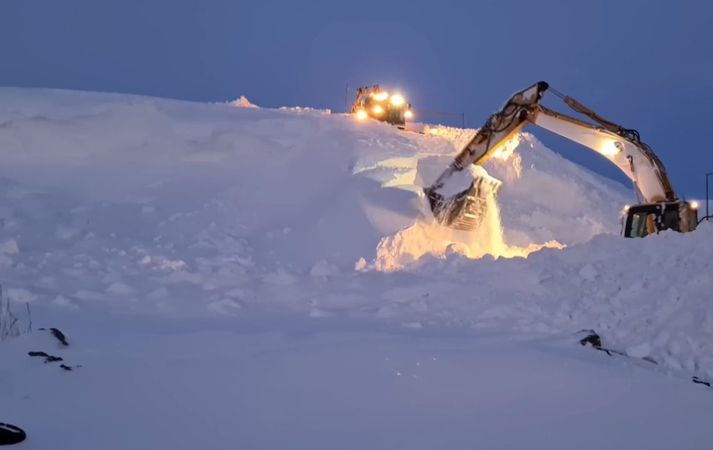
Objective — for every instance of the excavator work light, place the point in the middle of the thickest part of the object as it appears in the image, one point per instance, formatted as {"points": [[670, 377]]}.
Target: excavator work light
{"points": [[611, 148]]}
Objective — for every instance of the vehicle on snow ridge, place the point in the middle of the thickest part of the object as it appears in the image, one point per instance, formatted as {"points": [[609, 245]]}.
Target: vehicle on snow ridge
{"points": [[372, 101]]}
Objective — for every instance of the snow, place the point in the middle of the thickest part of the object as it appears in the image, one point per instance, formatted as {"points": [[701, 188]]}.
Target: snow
{"points": [[339, 389], [273, 278], [243, 102]]}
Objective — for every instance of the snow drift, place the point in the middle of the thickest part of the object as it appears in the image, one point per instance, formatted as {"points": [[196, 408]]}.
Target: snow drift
{"points": [[169, 207]]}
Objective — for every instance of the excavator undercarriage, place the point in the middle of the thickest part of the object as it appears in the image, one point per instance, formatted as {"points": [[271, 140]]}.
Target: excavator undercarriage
{"points": [[623, 147]]}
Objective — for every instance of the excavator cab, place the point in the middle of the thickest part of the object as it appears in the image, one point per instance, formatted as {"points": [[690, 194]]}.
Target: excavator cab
{"points": [[651, 218]]}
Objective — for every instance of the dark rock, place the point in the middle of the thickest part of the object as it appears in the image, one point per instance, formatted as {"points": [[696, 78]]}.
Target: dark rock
{"points": [[11, 434], [592, 339], [48, 358]]}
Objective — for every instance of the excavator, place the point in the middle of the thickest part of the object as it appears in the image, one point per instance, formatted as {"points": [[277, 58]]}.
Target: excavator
{"points": [[659, 208]]}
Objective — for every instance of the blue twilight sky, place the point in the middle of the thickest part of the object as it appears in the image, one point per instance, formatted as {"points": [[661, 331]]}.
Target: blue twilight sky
{"points": [[645, 64]]}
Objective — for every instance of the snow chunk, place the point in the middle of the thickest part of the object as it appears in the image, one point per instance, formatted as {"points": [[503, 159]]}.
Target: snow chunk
{"points": [[302, 109], [20, 295], [224, 307], [588, 272], [119, 288], [64, 302], [9, 247], [323, 269], [243, 102], [317, 313], [280, 278], [640, 350]]}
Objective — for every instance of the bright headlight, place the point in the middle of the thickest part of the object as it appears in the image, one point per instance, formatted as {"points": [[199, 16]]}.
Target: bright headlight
{"points": [[408, 114], [361, 114], [381, 96], [694, 205], [611, 148], [397, 100], [378, 109]]}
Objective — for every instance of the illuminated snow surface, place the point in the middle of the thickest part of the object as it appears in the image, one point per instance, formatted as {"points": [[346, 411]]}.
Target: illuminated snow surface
{"points": [[239, 277]]}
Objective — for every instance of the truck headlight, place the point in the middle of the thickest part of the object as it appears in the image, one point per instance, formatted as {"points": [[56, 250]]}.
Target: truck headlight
{"points": [[381, 96], [378, 110], [361, 114], [408, 114], [397, 100]]}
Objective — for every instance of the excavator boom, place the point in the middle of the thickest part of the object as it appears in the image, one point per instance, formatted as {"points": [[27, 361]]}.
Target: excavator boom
{"points": [[622, 146], [465, 210]]}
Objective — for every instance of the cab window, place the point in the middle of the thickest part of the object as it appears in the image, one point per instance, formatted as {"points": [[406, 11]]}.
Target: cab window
{"points": [[642, 224]]}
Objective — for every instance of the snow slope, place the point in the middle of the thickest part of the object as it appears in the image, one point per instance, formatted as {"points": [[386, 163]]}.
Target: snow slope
{"points": [[140, 224]]}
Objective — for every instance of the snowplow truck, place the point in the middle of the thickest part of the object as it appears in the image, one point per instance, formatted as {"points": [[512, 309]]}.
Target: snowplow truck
{"points": [[659, 209], [372, 101]]}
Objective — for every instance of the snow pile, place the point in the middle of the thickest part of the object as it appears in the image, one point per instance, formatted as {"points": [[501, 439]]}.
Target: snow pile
{"points": [[646, 297], [427, 238], [201, 259], [243, 102], [308, 110], [125, 204]]}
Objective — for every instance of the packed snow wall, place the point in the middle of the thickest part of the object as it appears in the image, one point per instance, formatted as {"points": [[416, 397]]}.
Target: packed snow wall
{"points": [[284, 188]]}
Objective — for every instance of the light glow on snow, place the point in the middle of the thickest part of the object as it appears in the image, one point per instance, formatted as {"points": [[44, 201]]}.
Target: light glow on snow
{"points": [[423, 239], [504, 152], [243, 102]]}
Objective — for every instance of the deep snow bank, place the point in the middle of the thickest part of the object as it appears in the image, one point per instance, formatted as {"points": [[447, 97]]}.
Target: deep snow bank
{"points": [[114, 203], [277, 184]]}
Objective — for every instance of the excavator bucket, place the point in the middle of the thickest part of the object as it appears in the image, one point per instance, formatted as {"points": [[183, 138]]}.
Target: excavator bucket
{"points": [[465, 210]]}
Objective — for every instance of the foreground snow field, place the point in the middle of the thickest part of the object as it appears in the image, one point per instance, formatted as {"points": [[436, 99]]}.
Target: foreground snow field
{"points": [[307, 389], [271, 279]]}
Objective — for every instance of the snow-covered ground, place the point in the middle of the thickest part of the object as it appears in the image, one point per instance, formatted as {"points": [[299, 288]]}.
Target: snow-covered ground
{"points": [[231, 276]]}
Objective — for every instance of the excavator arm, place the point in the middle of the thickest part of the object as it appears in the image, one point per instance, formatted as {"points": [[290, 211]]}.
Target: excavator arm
{"points": [[620, 145], [631, 156]]}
